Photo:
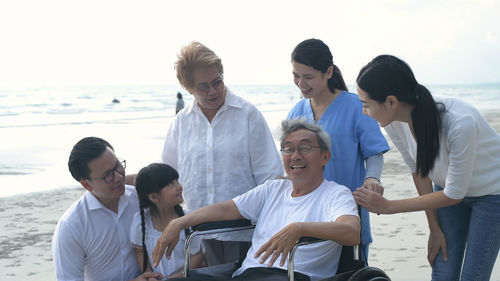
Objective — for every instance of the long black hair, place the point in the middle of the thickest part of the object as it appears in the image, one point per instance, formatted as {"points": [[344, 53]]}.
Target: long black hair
{"points": [[152, 179], [316, 54], [388, 75]]}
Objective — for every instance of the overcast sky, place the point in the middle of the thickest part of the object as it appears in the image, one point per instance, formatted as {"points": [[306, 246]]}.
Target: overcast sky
{"points": [[136, 42]]}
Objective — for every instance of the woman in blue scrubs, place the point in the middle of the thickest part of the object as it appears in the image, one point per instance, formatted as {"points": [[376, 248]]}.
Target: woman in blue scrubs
{"points": [[356, 138]]}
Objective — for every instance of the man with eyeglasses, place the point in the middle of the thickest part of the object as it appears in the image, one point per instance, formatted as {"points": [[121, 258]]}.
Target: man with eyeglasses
{"points": [[91, 240], [284, 210], [220, 144]]}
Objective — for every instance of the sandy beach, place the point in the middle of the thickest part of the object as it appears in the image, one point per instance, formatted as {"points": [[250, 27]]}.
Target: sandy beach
{"points": [[27, 221]]}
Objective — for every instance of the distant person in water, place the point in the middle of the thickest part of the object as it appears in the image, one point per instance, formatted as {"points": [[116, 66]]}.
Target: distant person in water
{"points": [[180, 103]]}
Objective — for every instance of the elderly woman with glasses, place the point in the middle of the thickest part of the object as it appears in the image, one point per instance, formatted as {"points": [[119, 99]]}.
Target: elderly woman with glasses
{"points": [[220, 144]]}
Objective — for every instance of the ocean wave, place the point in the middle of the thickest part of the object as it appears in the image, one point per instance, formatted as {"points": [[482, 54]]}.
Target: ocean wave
{"points": [[15, 170], [78, 119], [48, 106]]}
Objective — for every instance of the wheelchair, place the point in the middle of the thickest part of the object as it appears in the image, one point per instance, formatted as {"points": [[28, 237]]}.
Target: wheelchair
{"points": [[350, 267]]}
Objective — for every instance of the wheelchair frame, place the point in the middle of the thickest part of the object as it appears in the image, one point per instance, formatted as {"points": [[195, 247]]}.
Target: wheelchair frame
{"points": [[244, 224]]}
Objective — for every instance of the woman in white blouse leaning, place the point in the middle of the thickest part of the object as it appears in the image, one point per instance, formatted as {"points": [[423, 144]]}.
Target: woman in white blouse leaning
{"points": [[446, 142]]}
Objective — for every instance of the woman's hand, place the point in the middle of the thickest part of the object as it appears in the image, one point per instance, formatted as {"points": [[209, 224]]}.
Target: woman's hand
{"points": [[437, 241], [371, 200]]}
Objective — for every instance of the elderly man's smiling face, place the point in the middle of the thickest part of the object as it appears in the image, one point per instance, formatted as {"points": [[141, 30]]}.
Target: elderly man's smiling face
{"points": [[304, 166]]}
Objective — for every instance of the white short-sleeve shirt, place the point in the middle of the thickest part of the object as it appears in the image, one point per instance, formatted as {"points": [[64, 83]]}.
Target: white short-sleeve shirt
{"points": [[272, 206], [92, 243]]}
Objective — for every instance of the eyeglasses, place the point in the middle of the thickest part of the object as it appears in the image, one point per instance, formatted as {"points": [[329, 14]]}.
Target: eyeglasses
{"points": [[204, 87], [109, 176], [302, 149]]}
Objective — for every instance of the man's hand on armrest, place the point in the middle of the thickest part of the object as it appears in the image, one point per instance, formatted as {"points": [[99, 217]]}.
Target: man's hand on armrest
{"points": [[345, 231], [280, 244]]}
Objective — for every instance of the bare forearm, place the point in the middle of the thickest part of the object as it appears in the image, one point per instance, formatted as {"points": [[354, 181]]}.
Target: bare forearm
{"points": [[345, 230], [421, 203], [424, 186], [344, 233], [226, 210], [140, 260]]}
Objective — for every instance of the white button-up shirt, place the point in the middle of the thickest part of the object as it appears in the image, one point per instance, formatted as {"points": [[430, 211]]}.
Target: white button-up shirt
{"points": [[220, 160], [92, 242]]}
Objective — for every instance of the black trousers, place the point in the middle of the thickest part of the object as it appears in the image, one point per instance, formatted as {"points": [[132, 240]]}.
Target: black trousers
{"points": [[219, 252], [251, 274]]}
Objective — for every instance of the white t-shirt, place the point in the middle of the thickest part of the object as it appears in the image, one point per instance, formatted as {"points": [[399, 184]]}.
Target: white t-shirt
{"points": [[166, 267], [92, 243], [222, 159], [469, 151], [272, 206]]}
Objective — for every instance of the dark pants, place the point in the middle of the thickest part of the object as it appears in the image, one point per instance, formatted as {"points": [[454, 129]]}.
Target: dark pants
{"points": [[251, 274], [219, 252]]}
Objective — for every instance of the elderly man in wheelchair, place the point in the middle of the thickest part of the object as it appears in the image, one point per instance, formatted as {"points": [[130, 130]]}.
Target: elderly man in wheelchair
{"points": [[304, 205]]}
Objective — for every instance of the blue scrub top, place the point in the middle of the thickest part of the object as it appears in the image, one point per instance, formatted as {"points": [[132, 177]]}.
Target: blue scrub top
{"points": [[354, 137]]}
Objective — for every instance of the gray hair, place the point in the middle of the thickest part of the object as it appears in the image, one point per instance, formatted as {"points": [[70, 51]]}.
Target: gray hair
{"points": [[292, 125]]}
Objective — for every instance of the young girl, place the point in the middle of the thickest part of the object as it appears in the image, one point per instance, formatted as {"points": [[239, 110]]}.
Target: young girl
{"points": [[448, 142], [356, 138], [159, 197]]}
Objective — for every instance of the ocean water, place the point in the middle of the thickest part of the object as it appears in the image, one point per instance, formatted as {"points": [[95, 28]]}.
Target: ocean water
{"points": [[39, 125]]}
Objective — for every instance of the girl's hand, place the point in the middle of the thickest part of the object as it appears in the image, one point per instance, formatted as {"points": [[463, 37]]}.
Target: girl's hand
{"points": [[436, 242]]}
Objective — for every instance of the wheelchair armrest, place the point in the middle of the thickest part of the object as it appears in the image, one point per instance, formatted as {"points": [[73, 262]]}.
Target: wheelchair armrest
{"points": [[309, 240], [212, 228], [302, 241], [221, 224], [352, 252]]}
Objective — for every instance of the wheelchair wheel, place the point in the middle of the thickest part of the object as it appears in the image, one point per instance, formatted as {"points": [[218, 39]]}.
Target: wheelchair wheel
{"points": [[369, 274]]}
